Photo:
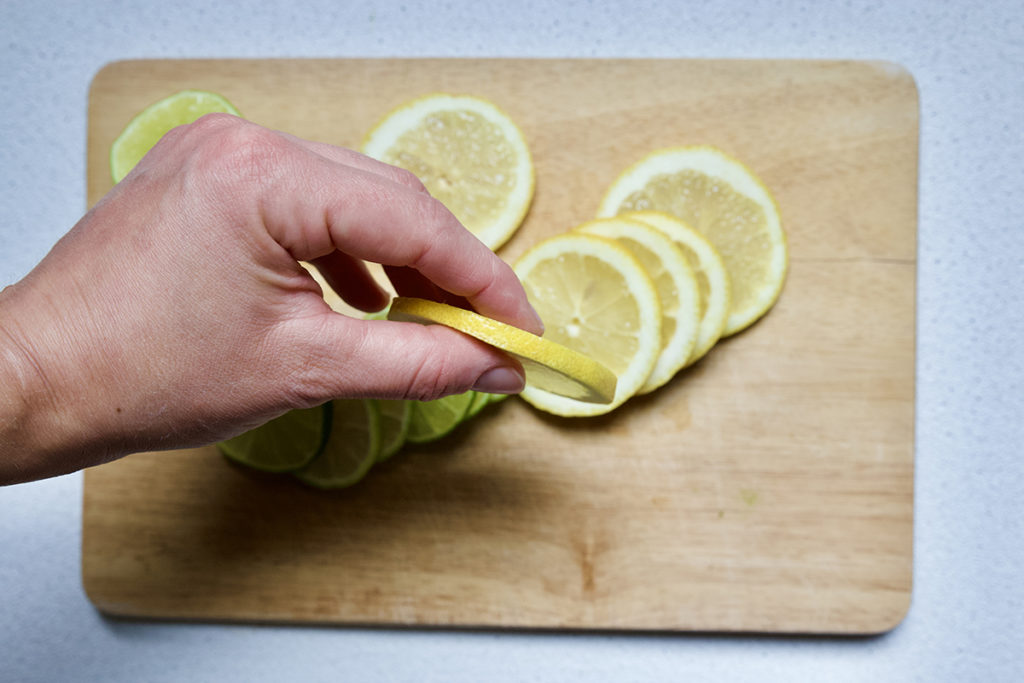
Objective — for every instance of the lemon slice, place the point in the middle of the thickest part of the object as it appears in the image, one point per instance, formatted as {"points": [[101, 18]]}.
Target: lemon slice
{"points": [[395, 416], [596, 298], [724, 201], [350, 450], [676, 283], [712, 278], [552, 366], [431, 420], [468, 153], [143, 131], [283, 444]]}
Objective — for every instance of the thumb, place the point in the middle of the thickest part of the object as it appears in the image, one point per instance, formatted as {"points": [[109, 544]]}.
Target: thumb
{"points": [[386, 359]]}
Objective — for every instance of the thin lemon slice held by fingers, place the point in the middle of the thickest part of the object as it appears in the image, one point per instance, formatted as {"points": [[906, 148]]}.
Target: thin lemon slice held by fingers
{"points": [[551, 366]]}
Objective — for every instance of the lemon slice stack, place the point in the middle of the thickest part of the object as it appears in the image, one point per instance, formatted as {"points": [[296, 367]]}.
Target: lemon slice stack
{"points": [[689, 234]]}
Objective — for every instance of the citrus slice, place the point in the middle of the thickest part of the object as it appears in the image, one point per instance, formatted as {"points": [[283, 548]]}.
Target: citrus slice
{"points": [[676, 283], [712, 278], [724, 201], [480, 401], [351, 449], [551, 366], [283, 444], [430, 420], [395, 416], [597, 299], [143, 131], [468, 153]]}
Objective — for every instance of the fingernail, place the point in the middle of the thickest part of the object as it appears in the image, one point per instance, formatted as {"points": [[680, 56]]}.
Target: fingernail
{"points": [[500, 380], [540, 323]]}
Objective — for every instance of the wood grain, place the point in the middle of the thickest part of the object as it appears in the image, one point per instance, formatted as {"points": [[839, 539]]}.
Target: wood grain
{"points": [[768, 488]]}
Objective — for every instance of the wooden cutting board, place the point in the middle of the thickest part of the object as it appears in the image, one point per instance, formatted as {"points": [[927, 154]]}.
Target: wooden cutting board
{"points": [[769, 488]]}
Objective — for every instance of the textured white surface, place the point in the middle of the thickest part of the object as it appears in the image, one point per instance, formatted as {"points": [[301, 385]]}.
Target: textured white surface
{"points": [[968, 58]]}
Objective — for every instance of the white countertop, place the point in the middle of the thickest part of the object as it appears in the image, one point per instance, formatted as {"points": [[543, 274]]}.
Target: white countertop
{"points": [[968, 60]]}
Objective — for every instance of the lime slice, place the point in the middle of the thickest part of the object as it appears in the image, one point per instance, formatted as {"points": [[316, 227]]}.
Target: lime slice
{"points": [[154, 121], [395, 416], [351, 449], [480, 400], [496, 398], [433, 419], [285, 443]]}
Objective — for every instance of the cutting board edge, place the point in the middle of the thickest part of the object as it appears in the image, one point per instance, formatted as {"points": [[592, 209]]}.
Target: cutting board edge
{"points": [[127, 611]]}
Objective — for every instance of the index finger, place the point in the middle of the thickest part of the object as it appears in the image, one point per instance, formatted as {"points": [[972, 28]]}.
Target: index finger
{"points": [[315, 204]]}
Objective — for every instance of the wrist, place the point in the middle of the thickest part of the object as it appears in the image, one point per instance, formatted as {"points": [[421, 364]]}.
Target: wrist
{"points": [[39, 435]]}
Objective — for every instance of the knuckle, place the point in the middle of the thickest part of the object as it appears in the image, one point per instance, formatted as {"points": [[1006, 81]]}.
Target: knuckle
{"points": [[226, 149], [251, 153], [436, 225], [410, 179], [215, 121], [437, 214]]}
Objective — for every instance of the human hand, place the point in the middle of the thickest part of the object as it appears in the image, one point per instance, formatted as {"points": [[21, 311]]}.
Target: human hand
{"points": [[176, 313]]}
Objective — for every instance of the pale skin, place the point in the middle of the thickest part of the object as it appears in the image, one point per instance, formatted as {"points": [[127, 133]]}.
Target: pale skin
{"points": [[176, 313]]}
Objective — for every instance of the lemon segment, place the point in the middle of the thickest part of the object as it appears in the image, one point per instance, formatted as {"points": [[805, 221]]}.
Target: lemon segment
{"points": [[351, 449], [468, 153], [712, 278], [558, 369], [724, 201], [675, 282], [143, 131], [596, 298]]}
